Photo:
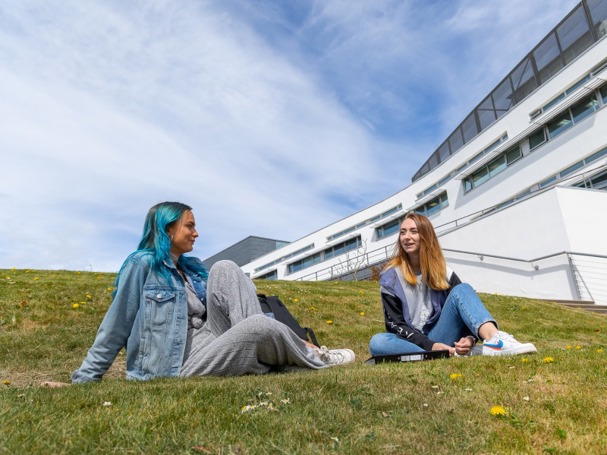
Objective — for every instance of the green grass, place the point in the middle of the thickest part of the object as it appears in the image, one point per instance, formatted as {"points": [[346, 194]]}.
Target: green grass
{"points": [[441, 406]]}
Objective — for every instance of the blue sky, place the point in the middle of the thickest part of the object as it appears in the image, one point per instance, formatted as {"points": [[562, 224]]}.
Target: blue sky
{"points": [[270, 118]]}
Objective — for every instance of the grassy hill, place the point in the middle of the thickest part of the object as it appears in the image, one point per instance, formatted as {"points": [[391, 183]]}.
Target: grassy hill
{"points": [[551, 402]]}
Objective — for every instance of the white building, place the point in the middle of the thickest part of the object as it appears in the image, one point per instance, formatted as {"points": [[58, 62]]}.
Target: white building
{"points": [[516, 192]]}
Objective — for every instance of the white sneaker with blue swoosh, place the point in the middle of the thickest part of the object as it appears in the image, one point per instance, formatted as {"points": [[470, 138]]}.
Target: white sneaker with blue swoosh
{"points": [[503, 343]]}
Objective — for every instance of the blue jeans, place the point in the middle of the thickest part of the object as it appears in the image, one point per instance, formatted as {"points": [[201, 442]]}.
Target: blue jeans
{"points": [[463, 309]]}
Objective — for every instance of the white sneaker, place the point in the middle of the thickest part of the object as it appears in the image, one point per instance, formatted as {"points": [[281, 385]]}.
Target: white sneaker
{"points": [[333, 357], [503, 343]]}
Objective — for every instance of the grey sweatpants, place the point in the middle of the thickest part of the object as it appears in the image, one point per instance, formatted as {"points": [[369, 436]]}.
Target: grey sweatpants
{"points": [[237, 338]]}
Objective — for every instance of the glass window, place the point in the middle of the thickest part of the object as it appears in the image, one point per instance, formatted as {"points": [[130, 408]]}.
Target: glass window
{"points": [[604, 94], [553, 102], [296, 266], [494, 167], [434, 205], [560, 124], [273, 275], [513, 154], [352, 244], [497, 166], [547, 182], [548, 58], [311, 260], [432, 209], [467, 185], [476, 157], [520, 196], [502, 97], [537, 138], [456, 141], [469, 127], [445, 179], [596, 156], [388, 229], [505, 204], [392, 210], [577, 85], [599, 182], [443, 151], [433, 160], [598, 13], [486, 113], [339, 249], [480, 176], [523, 80], [574, 34], [584, 108], [570, 169]]}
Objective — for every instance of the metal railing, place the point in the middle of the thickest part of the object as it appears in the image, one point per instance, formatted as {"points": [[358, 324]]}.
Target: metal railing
{"points": [[589, 270]]}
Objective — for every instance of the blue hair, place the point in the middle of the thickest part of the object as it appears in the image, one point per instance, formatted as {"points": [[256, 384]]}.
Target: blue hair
{"points": [[156, 240]]}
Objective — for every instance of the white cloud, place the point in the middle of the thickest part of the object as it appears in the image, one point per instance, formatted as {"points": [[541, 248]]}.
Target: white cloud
{"points": [[110, 107]]}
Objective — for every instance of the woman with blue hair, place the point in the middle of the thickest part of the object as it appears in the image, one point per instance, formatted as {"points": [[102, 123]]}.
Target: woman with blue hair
{"points": [[177, 319]]}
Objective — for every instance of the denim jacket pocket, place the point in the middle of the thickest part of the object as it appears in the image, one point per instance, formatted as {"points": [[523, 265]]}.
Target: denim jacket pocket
{"points": [[159, 306], [158, 325]]}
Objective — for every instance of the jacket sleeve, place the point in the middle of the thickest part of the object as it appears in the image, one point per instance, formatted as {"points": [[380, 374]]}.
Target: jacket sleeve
{"points": [[116, 325], [454, 281], [395, 323]]}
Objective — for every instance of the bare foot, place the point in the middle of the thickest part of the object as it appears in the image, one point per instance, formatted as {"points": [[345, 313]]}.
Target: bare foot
{"points": [[54, 385]]}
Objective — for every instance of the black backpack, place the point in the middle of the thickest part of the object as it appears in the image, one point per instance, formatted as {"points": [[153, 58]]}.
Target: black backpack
{"points": [[272, 304]]}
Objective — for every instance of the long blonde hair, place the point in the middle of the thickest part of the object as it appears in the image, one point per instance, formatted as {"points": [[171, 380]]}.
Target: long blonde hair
{"points": [[431, 260]]}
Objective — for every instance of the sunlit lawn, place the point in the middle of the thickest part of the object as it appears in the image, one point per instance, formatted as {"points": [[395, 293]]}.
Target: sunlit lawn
{"points": [[551, 402]]}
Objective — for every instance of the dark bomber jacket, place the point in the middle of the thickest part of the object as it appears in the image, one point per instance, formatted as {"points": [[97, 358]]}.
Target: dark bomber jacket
{"points": [[396, 310]]}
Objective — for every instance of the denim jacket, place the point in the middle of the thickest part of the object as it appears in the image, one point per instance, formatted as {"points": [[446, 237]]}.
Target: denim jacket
{"points": [[149, 316]]}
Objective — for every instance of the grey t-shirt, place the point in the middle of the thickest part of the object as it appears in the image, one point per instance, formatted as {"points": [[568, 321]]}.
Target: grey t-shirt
{"points": [[196, 309], [418, 300]]}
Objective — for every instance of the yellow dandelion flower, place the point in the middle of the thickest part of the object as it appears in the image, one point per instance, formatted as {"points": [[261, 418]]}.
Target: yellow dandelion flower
{"points": [[578, 347], [329, 321], [110, 289], [36, 278], [89, 296], [75, 306], [497, 410], [524, 360], [295, 300], [6, 382], [599, 350], [313, 308], [362, 313], [567, 347], [455, 376], [548, 360]]}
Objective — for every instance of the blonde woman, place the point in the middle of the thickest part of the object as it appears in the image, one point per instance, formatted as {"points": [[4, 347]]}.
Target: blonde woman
{"points": [[427, 307]]}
